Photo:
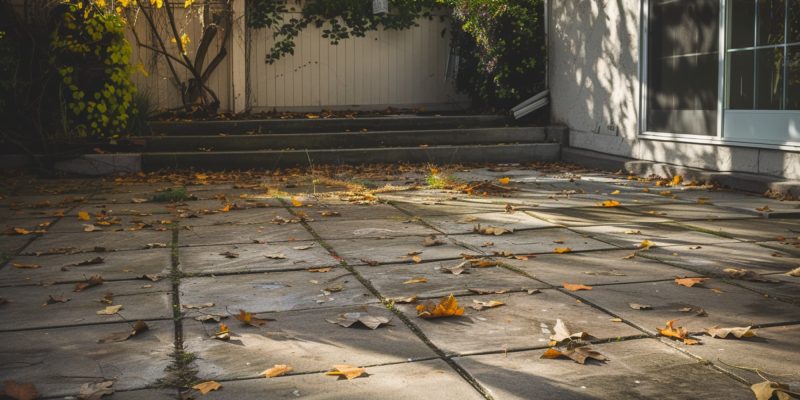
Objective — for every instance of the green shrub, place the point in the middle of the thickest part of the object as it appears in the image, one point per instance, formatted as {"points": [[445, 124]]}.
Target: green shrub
{"points": [[93, 60], [501, 47]]}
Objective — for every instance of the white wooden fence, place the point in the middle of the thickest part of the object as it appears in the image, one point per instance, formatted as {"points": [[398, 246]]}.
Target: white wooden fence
{"points": [[386, 68]]}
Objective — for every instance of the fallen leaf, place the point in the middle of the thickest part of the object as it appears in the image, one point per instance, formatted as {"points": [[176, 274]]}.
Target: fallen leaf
{"points": [[698, 312], [646, 244], [794, 272], [457, 269], [480, 304], [629, 256], [306, 247], [349, 319], [746, 274], [416, 259], [94, 391], [689, 282], [491, 230], [615, 192], [110, 310], [26, 266], [94, 280], [248, 319], [489, 291], [431, 241], [484, 263], [633, 232], [296, 202], [416, 280], [22, 231], [138, 327], [328, 213], [155, 245], [277, 370], [151, 277], [210, 317], [20, 391], [402, 300], [347, 371], [562, 250], [276, 256], [93, 261], [562, 334], [326, 269], [637, 306], [84, 216], [223, 333], [609, 203], [769, 390], [447, 307], [504, 180], [197, 306], [55, 300], [764, 209], [679, 333], [574, 287], [578, 354], [206, 387], [229, 254], [738, 332], [91, 228]]}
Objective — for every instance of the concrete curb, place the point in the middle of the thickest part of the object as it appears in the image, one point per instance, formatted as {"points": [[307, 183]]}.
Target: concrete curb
{"points": [[87, 165], [736, 180]]}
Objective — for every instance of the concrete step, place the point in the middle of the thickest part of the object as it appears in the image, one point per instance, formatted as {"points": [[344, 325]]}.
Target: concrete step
{"points": [[270, 159], [341, 140], [270, 126]]}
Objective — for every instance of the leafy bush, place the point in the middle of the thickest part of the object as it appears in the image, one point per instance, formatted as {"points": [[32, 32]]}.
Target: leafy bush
{"points": [[93, 61], [501, 47]]}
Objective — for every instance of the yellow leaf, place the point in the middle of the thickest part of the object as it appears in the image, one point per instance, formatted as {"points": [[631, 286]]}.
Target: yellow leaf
{"points": [[248, 319], [22, 231], [676, 180], [646, 244], [296, 202], [416, 280], [561, 250], [207, 386], [679, 333], [574, 287], [187, 3], [110, 310], [504, 180], [615, 192], [447, 307], [347, 371], [277, 370], [84, 216], [184, 41], [610, 203]]}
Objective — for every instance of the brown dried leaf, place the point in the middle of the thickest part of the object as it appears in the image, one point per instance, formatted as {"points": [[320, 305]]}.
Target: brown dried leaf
{"points": [[94, 280], [431, 241], [138, 327], [480, 304], [402, 300], [574, 287], [491, 230], [738, 332], [26, 266], [746, 274], [578, 354], [94, 391], [679, 333], [418, 279], [447, 307], [794, 272], [637, 306], [490, 291], [349, 319], [229, 254], [769, 390], [326, 269]]}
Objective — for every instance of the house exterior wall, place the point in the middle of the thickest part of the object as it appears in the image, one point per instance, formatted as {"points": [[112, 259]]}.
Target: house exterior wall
{"points": [[594, 78]]}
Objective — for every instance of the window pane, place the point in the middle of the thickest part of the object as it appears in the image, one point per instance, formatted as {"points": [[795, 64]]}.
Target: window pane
{"points": [[794, 21], [740, 80], [769, 83], [682, 66], [741, 24], [771, 19], [793, 78]]}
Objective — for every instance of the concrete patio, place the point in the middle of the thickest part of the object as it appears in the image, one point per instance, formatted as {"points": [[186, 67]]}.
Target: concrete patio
{"points": [[299, 249]]}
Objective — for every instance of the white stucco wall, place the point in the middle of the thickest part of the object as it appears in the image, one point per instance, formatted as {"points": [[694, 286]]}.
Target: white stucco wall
{"points": [[594, 81]]}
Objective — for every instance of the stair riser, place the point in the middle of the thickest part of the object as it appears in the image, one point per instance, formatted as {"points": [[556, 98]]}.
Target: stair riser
{"points": [[520, 153], [348, 140], [324, 125]]}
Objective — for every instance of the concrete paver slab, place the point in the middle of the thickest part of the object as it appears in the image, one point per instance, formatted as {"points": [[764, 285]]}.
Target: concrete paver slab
{"points": [[59, 360], [595, 215], [713, 259], [750, 229], [730, 306], [376, 228], [24, 309], [395, 250], [637, 369], [389, 279], [242, 234], [688, 212], [452, 224], [525, 321], [595, 268], [532, 242], [302, 339], [109, 241], [62, 268], [632, 235], [391, 382], [254, 257], [274, 291]]}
